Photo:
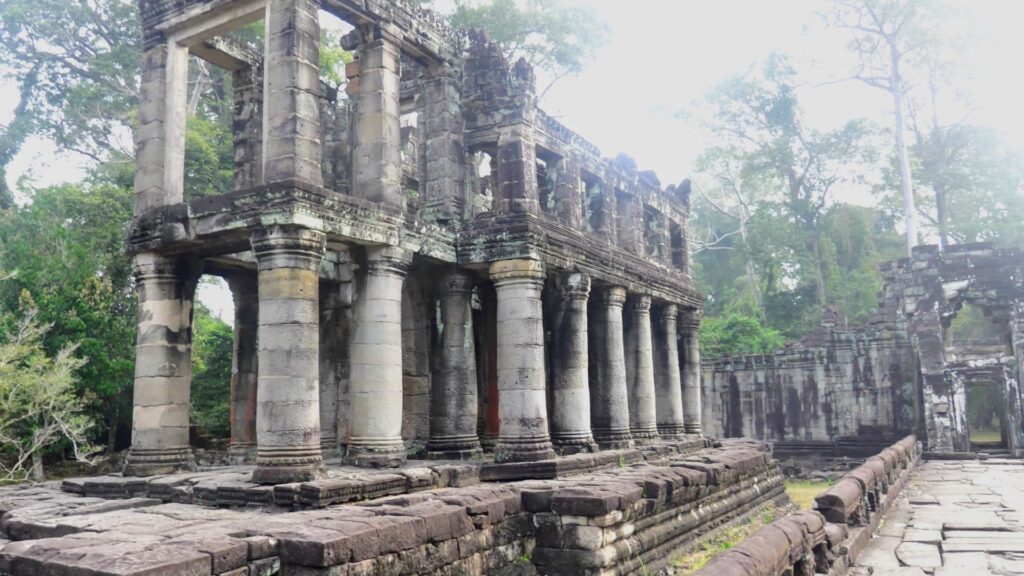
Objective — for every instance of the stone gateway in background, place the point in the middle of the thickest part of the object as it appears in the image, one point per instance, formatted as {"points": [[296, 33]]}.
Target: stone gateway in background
{"points": [[851, 391], [424, 263]]}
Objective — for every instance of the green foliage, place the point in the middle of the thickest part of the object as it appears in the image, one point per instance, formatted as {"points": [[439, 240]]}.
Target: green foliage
{"points": [[64, 249], [551, 35], [209, 158], [212, 341], [735, 333], [333, 58], [77, 66], [39, 405]]}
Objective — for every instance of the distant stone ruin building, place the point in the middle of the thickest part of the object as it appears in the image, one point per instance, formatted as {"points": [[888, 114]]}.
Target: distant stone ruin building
{"points": [[849, 391], [421, 263]]}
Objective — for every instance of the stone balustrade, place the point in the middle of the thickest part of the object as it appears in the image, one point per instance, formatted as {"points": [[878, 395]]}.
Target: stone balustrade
{"points": [[828, 539]]}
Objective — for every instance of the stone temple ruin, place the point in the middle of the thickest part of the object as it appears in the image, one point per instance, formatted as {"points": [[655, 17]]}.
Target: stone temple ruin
{"points": [[465, 343], [387, 294], [849, 391]]}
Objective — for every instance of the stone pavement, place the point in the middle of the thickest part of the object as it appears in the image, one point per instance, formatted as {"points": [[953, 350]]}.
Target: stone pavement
{"points": [[956, 518]]}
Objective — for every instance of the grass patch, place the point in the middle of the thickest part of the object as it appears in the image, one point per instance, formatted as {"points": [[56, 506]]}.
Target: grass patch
{"points": [[802, 492], [722, 541], [986, 436]]}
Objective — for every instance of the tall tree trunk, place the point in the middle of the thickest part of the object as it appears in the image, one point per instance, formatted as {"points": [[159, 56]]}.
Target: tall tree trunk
{"points": [[752, 279], [112, 430], [906, 186], [940, 209], [37, 466], [814, 245]]}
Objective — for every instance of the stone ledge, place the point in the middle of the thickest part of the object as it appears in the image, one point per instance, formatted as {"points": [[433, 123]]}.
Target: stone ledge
{"points": [[602, 519]]}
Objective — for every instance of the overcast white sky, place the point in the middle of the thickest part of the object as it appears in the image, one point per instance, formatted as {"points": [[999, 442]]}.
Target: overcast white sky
{"points": [[664, 54]]}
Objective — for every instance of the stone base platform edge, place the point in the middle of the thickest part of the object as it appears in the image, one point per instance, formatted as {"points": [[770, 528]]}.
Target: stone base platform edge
{"points": [[828, 539], [621, 521]]}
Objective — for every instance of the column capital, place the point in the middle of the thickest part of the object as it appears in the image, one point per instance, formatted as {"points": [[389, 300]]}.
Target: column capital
{"points": [[576, 287], [689, 318], [288, 247], [388, 259], [459, 280], [612, 296], [669, 311], [517, 269], [640, 303]]}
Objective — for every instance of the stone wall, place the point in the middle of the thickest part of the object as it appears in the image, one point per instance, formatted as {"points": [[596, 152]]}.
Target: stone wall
{"points": [[834, 386]]}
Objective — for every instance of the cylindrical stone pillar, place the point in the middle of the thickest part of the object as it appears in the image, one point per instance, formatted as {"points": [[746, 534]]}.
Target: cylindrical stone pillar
{"points": [[375, 390], [522, 400], [163, 367], [689, 324], [669, 381], [609, 397], [453, 392], [643, 411], [244, 367], [570, 381], [288, 403], [333, 352]]}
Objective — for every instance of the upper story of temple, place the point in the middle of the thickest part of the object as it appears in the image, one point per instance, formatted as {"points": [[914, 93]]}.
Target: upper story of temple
{"points": [[435, 145]]}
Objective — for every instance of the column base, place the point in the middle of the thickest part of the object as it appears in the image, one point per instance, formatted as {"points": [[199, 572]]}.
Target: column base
{"points": [[693, 429], [672, 431], [454, 448], [614, 439], [150, 462], [329, 446], [574, 444], [646, 437], [284, 465], [377, 455], [523, 450], [287, 474], [242, 453]]}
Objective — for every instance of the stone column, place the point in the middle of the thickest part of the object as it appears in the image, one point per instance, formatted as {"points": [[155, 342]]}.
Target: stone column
{"points": [[489, 416], [609, 397], [443, 144], [689, 324], [376, 359], [453, 391], [517, 170], [376, 158], [160, 134], [570, 394], [522, 399], [668, 381], [288, 404], [247, 126], [334, 318], [244, 367], [163, 366], [291, 116], [568, 193], [643, 412]]}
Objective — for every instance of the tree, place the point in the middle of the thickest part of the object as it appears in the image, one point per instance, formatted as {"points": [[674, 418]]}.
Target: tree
{"points": [[65, 249], [212, 350], [39, 406], [550, 35], [886, 36], [757, 120], [78, 66], [735, 334]]}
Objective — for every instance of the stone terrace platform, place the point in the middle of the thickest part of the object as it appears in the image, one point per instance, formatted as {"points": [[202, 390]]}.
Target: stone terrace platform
{"points": [[955, 518], [623, 519], [232, 486]]}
